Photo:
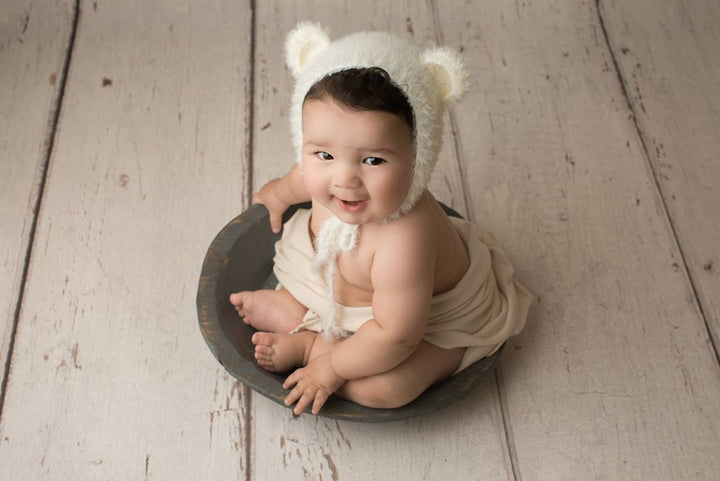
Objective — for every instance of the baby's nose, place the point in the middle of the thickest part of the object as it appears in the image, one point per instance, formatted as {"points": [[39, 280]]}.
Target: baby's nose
{"points": [[346, 176]]}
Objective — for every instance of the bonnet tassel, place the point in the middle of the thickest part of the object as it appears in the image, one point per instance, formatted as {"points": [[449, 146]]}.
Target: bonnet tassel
{"points": [[335, 237]]}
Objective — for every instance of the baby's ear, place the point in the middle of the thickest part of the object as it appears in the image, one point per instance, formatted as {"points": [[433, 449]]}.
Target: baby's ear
{"points": [[304, 41], [448, 71]]}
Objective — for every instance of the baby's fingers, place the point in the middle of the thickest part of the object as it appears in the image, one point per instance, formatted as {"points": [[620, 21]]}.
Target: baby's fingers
{"points": [[305, 400], [275, 218], [320, 397], [275, 222], [300, 387], [303, 394], [293, 378]]}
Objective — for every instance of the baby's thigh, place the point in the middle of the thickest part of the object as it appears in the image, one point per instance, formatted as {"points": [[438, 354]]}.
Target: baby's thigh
{"points": [[427, 365]]}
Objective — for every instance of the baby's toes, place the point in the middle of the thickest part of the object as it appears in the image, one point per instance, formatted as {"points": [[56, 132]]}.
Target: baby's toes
{"points": [[263, 339], [263, 351], [268, 365], [265, 361], [237, 303], [236, 299], [262, 358]]}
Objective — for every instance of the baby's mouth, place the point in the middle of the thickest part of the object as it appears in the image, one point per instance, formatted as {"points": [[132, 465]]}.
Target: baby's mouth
{"points": [[351, 205]]}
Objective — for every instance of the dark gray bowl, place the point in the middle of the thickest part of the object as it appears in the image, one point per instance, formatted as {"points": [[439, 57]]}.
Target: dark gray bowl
{"points": [[240, 258]]}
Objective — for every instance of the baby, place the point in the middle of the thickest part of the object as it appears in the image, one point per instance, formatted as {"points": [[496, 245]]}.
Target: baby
{"points": [[381, 294]]}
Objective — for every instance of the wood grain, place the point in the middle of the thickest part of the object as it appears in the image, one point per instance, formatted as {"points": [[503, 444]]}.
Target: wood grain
{"points": [[614, 376], [586, 144], [111, 377], [34, 39], [668, 58]]}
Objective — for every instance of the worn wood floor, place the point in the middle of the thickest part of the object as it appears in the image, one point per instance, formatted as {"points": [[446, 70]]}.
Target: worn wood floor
{"points": [[131, 132]]}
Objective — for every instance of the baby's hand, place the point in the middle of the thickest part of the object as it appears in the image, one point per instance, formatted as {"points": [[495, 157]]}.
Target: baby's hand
{"points": [[269, 198], [314, 384]]}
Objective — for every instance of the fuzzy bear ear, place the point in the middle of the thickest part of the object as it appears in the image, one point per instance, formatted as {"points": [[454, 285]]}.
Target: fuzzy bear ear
{"points": [[304, 41], [447, 69]]}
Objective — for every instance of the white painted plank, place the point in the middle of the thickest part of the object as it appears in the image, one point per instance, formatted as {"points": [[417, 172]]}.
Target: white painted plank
{"points": [[34, 37], [614, 376], [466, 441], [670, 60], [111, 378]]}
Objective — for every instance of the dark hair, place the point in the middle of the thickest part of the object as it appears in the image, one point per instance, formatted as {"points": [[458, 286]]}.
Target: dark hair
{"points": [[364, 89]]}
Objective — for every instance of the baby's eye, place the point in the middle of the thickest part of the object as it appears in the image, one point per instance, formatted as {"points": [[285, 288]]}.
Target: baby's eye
{"points": [[324, 155], [374, 161]]}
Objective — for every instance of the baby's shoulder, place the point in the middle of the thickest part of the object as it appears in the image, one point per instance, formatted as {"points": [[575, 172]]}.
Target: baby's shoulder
{"points": [[417, 230]]}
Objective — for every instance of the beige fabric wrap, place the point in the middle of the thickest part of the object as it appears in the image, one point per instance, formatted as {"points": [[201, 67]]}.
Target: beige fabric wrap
{"points": [[485, 308]]}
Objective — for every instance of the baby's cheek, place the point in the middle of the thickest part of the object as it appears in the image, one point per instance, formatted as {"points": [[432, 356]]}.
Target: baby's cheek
{"points": [[396, 191], [313, 185]]}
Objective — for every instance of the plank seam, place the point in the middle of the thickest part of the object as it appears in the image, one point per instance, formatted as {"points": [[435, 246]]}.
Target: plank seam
{"points": [[45, 165], [248, 419], [504, 410], [714, 342], [250, 152], [461, 170], [439, 38], [507, 426], [246, 391]]}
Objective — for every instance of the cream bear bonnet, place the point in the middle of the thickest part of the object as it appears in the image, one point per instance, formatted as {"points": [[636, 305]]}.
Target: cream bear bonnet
{"points": [[431, 80]]}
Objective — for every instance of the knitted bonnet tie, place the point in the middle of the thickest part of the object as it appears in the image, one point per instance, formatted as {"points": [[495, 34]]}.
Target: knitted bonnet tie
{"points": [[334, 238], [431, 80]]}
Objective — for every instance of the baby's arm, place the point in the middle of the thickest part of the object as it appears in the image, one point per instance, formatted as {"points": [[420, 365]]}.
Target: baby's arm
{"points": [[279, 194], [402, 280]]}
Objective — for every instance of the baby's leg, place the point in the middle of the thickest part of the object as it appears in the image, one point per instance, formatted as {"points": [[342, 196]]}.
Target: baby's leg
{"points": [[427, 365], [269, 310]]}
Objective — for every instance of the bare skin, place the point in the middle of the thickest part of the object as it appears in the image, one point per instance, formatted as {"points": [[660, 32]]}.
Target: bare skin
{"points": [[266, 310], [280, 352], [357, 166]]}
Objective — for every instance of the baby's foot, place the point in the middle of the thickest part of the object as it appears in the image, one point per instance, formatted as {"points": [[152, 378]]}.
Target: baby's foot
{"points": [[282, 352], [268, 310]]}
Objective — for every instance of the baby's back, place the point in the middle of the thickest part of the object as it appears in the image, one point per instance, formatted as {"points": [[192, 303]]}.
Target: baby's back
{"points": [[452, 256]]}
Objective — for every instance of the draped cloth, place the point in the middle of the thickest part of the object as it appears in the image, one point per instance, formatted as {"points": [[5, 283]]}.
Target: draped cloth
{"points": [[486, 307]]}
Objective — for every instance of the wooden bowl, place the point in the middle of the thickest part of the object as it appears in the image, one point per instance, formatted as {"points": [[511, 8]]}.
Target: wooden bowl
{"points": [[240, 258]]}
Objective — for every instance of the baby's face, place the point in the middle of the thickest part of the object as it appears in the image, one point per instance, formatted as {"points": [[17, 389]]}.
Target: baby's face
{"points": [[356, 163]]}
